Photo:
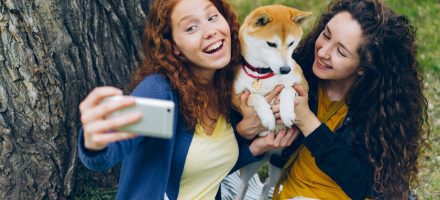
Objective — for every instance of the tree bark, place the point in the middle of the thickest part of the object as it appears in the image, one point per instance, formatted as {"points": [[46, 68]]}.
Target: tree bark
{"points": [[52, 54]]}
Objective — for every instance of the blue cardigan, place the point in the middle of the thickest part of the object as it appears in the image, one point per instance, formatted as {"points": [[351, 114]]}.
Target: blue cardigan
{"points": [[152, 167]]}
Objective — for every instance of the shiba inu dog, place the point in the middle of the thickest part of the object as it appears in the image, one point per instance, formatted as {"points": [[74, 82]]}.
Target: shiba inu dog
{"points": [[268, 37]]}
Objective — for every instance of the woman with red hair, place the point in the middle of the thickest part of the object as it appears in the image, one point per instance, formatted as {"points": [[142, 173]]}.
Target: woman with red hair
{"points": [[190, 56]]}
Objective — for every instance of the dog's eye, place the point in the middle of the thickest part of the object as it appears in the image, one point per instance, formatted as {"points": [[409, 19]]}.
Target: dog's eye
{"points": [[272, 44], [291, 44]]}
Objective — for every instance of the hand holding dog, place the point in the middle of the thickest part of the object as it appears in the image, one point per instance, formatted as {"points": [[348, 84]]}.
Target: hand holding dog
{"points": [[96, 127], [250, 126], [305, 119], [272, 141]]}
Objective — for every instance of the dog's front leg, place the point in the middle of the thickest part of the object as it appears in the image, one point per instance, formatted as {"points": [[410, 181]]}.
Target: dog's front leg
{"points": [[287, 97], [263, 110]]}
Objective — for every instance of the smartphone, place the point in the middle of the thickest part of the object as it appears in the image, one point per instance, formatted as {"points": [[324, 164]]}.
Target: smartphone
{"points": [[157, 117]]}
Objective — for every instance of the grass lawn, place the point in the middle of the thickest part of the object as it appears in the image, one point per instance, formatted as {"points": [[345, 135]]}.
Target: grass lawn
{"points": [[425, 15]]}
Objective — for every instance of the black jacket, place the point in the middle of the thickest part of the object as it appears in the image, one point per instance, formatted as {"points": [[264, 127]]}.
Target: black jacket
{"points": [[340, 154]]}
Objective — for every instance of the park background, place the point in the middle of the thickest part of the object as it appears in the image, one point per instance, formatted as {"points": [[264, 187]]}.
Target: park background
{"points": [[425, 16], [54, 52]]}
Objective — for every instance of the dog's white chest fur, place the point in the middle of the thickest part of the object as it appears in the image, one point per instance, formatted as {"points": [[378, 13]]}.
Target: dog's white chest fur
{"points": [[258, 102]]}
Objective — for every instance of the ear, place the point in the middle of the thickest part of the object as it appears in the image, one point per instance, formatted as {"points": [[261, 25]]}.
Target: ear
{"points": [[299, 16], [175, 50], [262, 20], [360, 72]]}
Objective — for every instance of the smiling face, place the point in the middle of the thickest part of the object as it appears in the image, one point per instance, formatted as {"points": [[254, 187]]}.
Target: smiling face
{"points": [[336, 49], [202, 36]]}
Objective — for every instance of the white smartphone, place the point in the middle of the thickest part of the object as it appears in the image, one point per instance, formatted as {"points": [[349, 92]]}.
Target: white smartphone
{"points": [[157, 117]]}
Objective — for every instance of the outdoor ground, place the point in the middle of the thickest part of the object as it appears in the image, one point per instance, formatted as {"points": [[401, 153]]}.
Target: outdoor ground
{"points": [[425, 15]]}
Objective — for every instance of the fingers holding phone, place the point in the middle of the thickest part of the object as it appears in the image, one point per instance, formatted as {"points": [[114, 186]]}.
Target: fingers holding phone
{"points": [[95, 124]]}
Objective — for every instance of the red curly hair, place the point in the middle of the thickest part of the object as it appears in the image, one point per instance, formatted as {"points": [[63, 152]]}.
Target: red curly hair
{"points": [[158, 57]]}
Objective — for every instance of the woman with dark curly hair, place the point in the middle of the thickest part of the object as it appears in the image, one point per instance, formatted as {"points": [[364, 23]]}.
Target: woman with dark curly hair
{"points": [[190, 53], [364, 118]]}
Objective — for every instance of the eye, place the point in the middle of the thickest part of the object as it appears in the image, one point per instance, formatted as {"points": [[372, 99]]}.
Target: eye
{"points": [[191, 28], [325, 35], [340, 53], [290, 44], [271, 44], [213, 17]]}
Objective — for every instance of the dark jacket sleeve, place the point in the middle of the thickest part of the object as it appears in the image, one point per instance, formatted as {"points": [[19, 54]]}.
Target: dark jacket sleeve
{"points": [[153, 86], [344, 161]]}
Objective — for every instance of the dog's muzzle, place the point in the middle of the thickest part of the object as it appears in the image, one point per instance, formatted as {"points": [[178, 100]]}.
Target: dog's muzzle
{"points": [[284, 70]]}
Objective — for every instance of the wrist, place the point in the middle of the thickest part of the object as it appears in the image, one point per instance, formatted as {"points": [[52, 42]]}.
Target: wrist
{"points": [[310, 123], [255, 150]]}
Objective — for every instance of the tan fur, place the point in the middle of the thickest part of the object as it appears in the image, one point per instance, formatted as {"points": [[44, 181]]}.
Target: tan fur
{"points": [[281, 16], [283, 21], [268, 38]]}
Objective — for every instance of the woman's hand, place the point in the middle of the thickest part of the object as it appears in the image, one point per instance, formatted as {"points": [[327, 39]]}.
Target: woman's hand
{"points": [[282, 139], [96, 127], [305, 119], [250, 126]]}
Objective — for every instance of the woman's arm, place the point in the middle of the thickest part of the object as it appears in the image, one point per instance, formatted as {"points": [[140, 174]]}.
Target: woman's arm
{"points": [[100, 147], [345, 163]]}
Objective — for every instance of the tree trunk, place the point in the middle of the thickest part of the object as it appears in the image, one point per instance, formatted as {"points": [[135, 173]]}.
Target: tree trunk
{"points": [[53, 53]]}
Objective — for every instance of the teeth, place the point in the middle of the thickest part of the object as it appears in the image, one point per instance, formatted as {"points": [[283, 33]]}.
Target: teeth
{"points": [[324, 65], [214, 46]]}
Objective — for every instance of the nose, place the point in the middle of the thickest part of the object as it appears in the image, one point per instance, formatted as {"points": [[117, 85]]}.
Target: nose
{"points": [[284, 70], [210, 31], [323, 52]]}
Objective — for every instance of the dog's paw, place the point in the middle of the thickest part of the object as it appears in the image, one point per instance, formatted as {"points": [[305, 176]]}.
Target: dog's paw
{"points": [[264, 133], [287, 118], [268, 121]]}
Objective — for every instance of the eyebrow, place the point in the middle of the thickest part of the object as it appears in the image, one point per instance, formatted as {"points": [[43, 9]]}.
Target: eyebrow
{"points": [[340, 44], [189, 16]]}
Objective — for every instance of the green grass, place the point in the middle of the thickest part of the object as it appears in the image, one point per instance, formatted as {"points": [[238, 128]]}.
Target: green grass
{"points": [[96, 194], [424, 15]]}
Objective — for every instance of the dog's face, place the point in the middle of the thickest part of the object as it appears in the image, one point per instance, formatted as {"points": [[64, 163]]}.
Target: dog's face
{"points": [[269, 35]]}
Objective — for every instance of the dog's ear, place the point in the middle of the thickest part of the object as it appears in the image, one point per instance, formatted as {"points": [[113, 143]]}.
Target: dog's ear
{"points": [[262, 20], [300, 16]]}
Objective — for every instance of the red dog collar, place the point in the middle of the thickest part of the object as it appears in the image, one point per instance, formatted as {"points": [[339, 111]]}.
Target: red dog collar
{"points": [[267, 71]]}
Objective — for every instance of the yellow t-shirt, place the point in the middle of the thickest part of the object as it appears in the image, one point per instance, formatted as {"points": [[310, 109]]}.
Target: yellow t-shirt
{"points": [[305, 179], [209, 160]]}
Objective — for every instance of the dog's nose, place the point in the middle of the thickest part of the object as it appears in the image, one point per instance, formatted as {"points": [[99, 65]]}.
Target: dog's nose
{"points": [[285, 70]]}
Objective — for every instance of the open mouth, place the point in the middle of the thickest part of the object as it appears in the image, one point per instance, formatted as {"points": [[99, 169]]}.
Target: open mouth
{"points": [[322, 65], [211, 49]]}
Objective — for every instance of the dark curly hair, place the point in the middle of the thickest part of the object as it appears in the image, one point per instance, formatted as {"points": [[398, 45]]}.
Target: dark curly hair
{"points": [[387, 102], [158, 57]]}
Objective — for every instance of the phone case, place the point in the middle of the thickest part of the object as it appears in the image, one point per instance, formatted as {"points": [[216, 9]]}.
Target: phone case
{"points": [[157, 117]]}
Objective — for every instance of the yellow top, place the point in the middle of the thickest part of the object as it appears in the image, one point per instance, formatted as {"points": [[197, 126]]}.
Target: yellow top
{"points": [[305, 178], [209, 160]]}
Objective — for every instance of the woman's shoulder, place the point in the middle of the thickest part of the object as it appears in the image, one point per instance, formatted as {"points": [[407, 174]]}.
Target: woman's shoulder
{"points": [[153, 86], [156, 79]]}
